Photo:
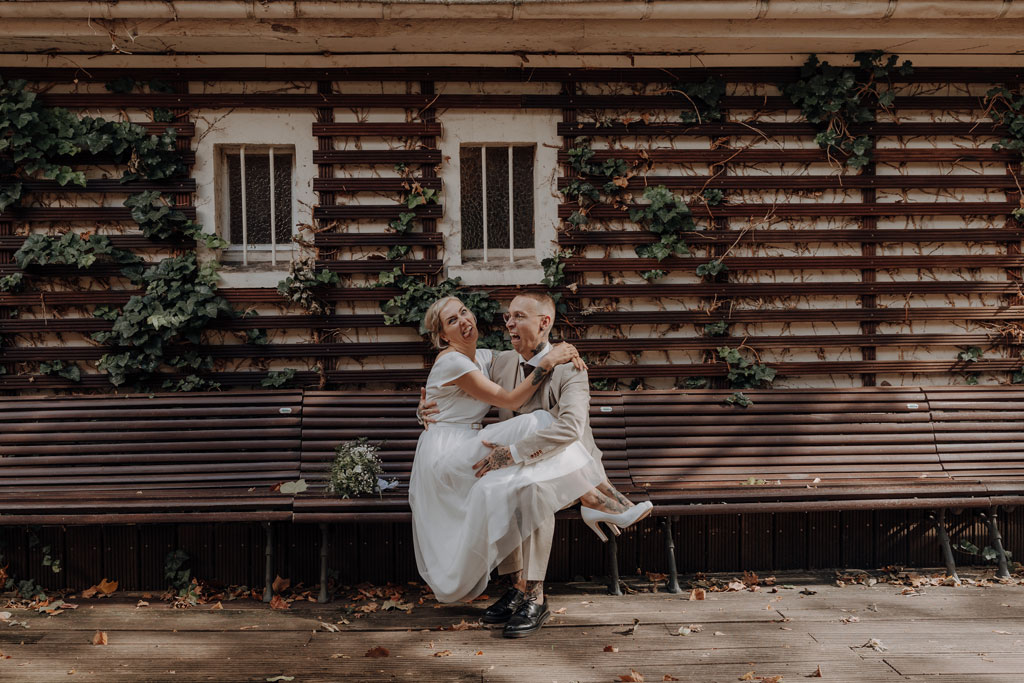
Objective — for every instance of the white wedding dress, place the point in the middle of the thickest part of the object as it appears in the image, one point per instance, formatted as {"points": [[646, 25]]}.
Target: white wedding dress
{"points": [[463, 526]]}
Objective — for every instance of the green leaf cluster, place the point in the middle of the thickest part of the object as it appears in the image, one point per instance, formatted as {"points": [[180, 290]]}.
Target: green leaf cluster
{"points": [[705, 100], [302, 284], [410, 307], [15, 282], [970, 355], [179, 301], [710, 269], [70, 372], [668, 217], [276, 379], [36, 139], [69, 249], [716, 329], [158, 218], [1007, 109], [176, 571], [743, 374], [836, 98]]}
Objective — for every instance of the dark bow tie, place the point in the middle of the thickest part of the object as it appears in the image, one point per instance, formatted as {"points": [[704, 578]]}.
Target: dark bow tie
{"points": [[527, 368]]}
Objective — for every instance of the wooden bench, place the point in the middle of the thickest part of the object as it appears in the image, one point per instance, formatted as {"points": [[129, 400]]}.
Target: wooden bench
{"points": [[826, 450], [218, 456], [211, 457]]}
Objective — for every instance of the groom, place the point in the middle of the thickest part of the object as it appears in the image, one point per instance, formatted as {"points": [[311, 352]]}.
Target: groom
{"points": [[565, 393]]}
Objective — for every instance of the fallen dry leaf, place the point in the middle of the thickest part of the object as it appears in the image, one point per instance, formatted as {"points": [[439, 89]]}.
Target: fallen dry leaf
{"points": [[331, 628], [89, 592], [610, 648], [141, 603], [749, 676], [377, 652], [280, 584], [464, 626], [560, 610], [816, 674], [99, 638], [248, 628], [876, 645], [479, 652], [107, 587], [770, 679], [277, 602], [217, 605], [443, 653], [340, 656], [697, 594], [632, 677]]}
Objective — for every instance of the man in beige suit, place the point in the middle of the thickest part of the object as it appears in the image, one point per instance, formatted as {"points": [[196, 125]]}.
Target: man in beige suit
{"points": [[565, 393]]}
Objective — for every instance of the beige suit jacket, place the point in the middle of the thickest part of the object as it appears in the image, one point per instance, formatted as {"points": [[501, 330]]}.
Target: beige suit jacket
{"points": [[565, 393]]}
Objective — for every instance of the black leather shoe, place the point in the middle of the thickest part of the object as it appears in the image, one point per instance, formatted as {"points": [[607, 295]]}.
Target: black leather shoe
{"points": [[505, 606], [527, 620]]}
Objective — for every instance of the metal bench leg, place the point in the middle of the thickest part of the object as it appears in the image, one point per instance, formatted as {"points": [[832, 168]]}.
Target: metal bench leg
{"points": [[613, 566], [268, 572], [670, 551], [324, 546], [947, 551], [996, 540]]}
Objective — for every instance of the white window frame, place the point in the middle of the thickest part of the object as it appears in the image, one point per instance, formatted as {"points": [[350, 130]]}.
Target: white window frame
{"points": [[470, 255], [257, 252], [483, 128]]}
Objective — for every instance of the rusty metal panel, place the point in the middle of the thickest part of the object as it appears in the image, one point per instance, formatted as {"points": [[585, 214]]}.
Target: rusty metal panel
{"points": [[891, 531], [824, 549], [723, 543], [858, 541], [790, 540], [757, 542]]}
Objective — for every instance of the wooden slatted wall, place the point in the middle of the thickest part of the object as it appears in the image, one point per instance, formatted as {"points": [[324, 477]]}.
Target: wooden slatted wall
{"points": [[834, 278]]}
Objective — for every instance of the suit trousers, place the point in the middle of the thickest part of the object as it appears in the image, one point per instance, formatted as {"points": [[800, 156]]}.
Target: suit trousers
{"points": [[532, 556]]}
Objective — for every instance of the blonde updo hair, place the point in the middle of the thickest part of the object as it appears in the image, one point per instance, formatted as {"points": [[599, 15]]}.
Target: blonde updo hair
{"points": [[432, 323]]}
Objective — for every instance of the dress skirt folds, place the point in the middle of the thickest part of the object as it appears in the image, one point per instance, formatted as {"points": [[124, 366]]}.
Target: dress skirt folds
{"points": [[463, 526]]}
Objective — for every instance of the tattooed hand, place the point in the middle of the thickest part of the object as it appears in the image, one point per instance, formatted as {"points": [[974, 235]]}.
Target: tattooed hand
{"points": [[499, 457]]}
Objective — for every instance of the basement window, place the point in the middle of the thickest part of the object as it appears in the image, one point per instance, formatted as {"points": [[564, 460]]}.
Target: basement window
{"points": [[256, 201]]}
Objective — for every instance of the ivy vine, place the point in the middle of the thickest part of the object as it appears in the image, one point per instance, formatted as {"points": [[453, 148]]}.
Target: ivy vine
{"points": [[410, 307], [179, 298], [705, 100], [837, 98], [37, 139], [304, 282], [179, 301], [69, 249]]}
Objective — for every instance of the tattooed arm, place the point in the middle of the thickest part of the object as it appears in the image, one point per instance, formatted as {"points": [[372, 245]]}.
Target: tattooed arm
{"points": [[477, 385], [499, 457]]}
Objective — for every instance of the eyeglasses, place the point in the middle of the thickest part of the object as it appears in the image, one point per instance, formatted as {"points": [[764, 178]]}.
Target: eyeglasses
{"points": [[519, 317]]}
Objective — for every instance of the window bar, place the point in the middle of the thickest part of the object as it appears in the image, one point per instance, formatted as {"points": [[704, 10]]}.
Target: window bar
{"points": [[273, 213], [245, 230], [511, 236], [483, 185]]}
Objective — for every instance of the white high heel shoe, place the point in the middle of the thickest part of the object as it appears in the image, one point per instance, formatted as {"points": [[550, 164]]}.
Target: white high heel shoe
{"points": [[592, 517]]}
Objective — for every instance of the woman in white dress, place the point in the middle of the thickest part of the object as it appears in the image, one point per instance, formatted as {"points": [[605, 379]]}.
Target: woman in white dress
{"points": [[464, 525]]}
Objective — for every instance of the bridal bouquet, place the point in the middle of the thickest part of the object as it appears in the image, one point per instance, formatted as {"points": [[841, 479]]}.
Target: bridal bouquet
{"points": [[357, 470]]}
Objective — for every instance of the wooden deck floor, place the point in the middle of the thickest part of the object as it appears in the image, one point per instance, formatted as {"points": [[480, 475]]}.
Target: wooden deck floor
{"points": [[941, 633]]}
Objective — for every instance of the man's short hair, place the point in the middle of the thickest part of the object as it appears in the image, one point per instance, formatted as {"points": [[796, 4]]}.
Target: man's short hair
{"points": [[544, 300]]}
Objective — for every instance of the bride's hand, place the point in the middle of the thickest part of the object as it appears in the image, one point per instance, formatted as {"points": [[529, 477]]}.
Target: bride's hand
{"points": [[563, 353]]}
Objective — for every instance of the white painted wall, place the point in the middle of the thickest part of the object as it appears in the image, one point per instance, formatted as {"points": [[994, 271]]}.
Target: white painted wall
{"points": [[500, 127], [236, 126]]}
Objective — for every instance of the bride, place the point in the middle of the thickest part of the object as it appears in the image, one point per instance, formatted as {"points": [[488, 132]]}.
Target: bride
{"points": [[464, 525]]}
